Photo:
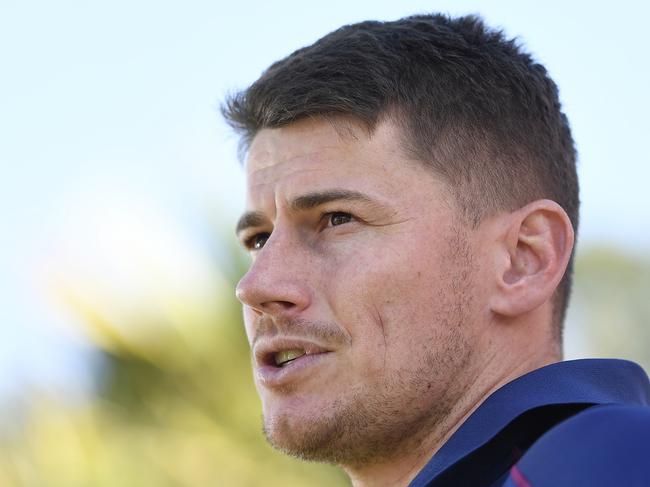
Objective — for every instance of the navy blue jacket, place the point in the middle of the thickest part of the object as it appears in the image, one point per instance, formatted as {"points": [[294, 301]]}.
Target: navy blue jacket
{"points": [[575, 423]]}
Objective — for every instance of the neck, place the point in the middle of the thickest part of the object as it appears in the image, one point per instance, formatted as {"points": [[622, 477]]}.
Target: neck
{"points": [[481, 380]]}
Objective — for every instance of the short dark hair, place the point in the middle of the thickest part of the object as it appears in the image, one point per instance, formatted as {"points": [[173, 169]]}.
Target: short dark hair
{"points": [[472, 105]]}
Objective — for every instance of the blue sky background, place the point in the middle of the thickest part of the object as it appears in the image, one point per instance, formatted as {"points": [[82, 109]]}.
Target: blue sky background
{"points": [[109, 132]]}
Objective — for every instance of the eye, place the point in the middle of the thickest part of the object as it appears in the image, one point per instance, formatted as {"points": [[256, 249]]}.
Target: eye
{"points": [[339, 218], [257, 241]]}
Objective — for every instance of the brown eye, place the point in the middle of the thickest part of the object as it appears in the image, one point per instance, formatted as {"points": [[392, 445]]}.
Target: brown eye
{"points": [[257, 241], [339, 218]]}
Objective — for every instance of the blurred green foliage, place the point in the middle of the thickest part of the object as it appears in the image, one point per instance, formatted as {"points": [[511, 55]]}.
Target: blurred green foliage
{"points": [[174, 406], [611, 300]]}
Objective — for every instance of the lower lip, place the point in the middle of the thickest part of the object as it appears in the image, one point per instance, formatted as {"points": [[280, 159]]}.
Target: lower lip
{"points": [[270, 376]]}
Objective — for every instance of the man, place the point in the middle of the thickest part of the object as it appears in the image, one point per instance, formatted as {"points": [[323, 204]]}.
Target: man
{"points": [[412, 207]]}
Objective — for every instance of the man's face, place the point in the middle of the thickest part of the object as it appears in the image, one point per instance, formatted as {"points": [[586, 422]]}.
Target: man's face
{"points": [[360, 300]]}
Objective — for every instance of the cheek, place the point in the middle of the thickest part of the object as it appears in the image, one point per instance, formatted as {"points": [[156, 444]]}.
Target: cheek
{"points": [[380, 296], [383, 274]]}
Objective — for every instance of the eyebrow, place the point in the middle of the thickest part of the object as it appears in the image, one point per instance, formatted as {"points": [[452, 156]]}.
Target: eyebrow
{"points": [[250, 219], [302, 203], [312, 200]]}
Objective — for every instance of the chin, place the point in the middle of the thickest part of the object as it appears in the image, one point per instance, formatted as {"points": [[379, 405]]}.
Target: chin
{"points": [[313, 438], [301, 425], [349, 431]]}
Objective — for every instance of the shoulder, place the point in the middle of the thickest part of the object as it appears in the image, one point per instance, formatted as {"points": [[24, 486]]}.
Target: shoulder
{"points": [[606, 445]]}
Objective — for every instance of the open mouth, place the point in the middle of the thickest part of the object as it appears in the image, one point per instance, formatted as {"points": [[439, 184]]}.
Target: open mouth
{"points": [[284, 357], [279, 354], [283, 360]]}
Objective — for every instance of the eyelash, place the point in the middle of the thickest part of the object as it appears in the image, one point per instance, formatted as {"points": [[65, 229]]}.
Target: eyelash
{"points": [[251, 242]]}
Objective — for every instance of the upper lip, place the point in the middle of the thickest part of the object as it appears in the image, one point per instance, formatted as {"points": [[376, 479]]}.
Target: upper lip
{"points": [[265, 349]]}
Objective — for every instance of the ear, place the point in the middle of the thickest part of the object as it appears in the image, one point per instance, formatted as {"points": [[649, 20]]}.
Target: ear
{"points": [[533, 250]]}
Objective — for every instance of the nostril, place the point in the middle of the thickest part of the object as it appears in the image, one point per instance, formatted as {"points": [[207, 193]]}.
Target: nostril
{"points": [[278, 305]]}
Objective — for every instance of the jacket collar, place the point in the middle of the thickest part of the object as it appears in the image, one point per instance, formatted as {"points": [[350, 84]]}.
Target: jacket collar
{"points": [[588, 381]]}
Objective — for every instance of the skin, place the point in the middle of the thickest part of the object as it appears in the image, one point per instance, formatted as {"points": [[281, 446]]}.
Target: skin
{"points": [[413, 316]]}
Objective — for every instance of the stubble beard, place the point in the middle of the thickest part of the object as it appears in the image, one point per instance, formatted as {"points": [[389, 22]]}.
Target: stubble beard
{"points": [[372, 426]]}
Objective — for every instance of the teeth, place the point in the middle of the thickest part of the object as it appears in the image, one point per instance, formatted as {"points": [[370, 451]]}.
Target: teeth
{"points": [[285, 356]]}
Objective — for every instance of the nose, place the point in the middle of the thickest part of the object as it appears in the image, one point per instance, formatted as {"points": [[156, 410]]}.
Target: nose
{"points": [[275, 283]]}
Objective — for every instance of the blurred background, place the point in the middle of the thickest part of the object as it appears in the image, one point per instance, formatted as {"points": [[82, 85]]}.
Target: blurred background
{"points": [[122, 355]]}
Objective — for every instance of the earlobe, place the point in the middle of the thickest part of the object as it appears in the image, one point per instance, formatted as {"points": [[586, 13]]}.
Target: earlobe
{"points": [[536, 246]]}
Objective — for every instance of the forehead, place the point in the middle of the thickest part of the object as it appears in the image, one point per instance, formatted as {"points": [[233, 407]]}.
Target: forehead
{"points": [[308, 143], [297, 140], [315, 154]]}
